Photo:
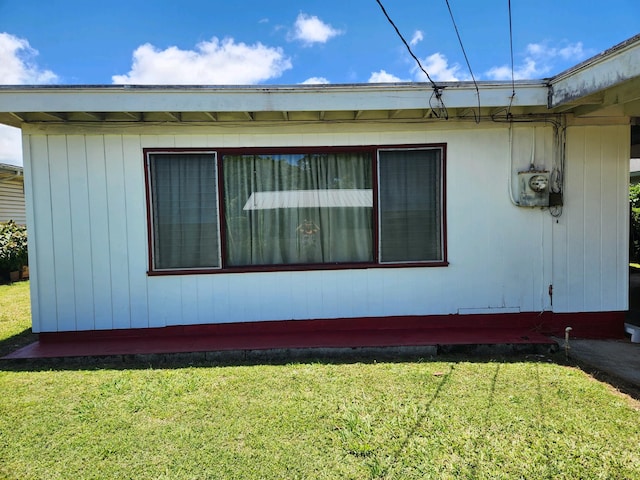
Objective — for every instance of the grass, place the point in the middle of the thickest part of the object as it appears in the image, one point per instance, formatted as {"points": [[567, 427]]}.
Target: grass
{"points": [[15, 317], [446, 419]]}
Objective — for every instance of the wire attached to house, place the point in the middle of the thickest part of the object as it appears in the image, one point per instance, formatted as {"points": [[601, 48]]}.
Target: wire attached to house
{"points": [[440, 110], [477, 118], [513, 81]]}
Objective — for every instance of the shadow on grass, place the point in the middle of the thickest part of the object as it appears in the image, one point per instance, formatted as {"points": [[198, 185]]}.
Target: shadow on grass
{"points": [[482, 354], [19, 340], [616, 383]]}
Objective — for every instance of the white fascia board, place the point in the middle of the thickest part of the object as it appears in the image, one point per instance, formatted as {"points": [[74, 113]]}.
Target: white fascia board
{"points": [[610, 68], [264, 99]]}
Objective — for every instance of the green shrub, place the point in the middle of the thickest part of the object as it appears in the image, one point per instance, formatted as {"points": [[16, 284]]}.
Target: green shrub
{"points": [[13, 247], [634, 195], [634, 236]]}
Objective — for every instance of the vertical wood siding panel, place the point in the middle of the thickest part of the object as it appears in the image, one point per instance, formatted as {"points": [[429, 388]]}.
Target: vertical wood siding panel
{"points": [[594, 214], [118, 241], [547, 262], [136, 230], [623, 210], [62, 238], [165, 301], [348, 299], [376, 292], [81, 232], [189, 300], [624, 152], [99, 232], [205, 299], [612, 224], [151, 141], [185, 141], [574, 211], [31, 244], [560, 253], [222, 305]]}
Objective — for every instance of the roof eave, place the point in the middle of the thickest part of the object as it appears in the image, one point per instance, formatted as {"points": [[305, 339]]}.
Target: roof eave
{"points": [[608, 69], [297, 98]]}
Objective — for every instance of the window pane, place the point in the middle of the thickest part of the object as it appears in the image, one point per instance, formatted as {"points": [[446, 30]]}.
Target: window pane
{"points": [[184, 211], [298, 209], [410, 205]]}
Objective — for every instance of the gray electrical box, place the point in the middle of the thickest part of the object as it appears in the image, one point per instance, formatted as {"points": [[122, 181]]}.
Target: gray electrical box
{"points": [[533, 186]]}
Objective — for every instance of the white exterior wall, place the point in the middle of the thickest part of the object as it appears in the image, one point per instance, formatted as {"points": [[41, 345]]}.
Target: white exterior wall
{"points": [[591, 239], [88, 262], [12, 201]]}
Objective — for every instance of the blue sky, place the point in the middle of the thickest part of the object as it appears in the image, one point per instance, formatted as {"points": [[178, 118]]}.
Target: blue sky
{"points": [[285, 42]]}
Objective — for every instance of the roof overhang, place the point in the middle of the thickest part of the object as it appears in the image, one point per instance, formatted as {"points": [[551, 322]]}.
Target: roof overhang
{"points": [[11, 173], [607, 85], [204, 104]]}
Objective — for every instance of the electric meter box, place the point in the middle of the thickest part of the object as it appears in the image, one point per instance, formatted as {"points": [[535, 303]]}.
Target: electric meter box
{"points": [[533, 187]]}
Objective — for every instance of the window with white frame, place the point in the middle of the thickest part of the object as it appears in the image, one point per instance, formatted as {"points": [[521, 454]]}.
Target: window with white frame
{"points": [[253, 209]]}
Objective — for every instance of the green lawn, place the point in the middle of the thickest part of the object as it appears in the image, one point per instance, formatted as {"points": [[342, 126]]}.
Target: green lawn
{"points": [[450, 418], [15, 317]]}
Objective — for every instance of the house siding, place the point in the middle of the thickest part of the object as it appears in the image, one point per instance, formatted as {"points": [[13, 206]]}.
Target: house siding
{"points": [[90, 256], [12, 205], [591, 249]]}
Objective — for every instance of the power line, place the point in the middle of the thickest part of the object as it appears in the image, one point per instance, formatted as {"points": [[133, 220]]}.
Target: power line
{"points": [[466, 59], [405, 43], [437, 91], [513, 82]]}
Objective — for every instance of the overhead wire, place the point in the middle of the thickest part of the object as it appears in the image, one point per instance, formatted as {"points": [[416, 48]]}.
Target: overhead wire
{"points": [[455, 26], [513, 81], [441, 110]]}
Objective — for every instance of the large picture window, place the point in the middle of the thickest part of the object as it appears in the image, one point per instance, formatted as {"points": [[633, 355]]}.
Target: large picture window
{"points": [[298, 209], [254, 209]]}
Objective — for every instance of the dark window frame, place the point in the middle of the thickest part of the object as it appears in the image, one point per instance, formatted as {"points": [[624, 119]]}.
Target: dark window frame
{"points": [[218, 155]]}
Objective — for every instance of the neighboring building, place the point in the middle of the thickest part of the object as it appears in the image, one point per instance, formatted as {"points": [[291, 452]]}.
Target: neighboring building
{"points": [[12, 194], [161, 206], [634, 163], [634, 169]]}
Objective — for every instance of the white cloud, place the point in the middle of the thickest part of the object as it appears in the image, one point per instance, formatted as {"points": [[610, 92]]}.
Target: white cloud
{"points": [[18, 67], [383, 77], [539, 60], [10, 145], [418, 36], [316, 81], [214, 63], [439, 69], [310, 29]]}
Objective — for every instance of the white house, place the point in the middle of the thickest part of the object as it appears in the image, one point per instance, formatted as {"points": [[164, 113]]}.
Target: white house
{"points": [[12, 206], [157, 206]]}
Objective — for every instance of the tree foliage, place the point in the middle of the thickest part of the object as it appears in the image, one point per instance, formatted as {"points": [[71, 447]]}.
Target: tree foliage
{"points": [[13, 246]]}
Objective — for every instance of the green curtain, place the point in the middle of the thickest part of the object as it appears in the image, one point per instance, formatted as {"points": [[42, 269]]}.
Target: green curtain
{"points": [[410, 205], [290, 225], [184, 211]]}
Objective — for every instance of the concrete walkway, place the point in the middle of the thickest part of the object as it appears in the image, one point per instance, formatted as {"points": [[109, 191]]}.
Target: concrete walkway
{"points": [[618, 358]]}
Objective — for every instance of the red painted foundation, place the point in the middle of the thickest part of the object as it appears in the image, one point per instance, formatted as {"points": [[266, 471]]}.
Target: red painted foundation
{"points": [[522, 328]]}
